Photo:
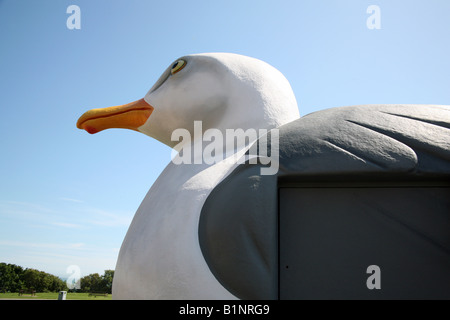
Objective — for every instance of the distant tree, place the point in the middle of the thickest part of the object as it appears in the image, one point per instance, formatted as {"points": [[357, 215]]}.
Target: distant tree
{"points": [[91, 283], [36, 280], [107, 280], [56, 284], [11, 277], [96, 283]]}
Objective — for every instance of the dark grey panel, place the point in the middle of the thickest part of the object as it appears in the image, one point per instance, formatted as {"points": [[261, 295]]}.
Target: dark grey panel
{"points": [[329, 236]]}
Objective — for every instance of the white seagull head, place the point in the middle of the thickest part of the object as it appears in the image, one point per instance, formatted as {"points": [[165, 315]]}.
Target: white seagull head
{"points": [[223, 90]]}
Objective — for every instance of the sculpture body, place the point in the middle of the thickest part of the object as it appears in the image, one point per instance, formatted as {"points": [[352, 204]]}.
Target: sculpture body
{"points": [[207, 229]]}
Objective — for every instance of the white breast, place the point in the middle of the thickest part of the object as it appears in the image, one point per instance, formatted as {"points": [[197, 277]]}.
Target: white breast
{"points": [[160, 257]]}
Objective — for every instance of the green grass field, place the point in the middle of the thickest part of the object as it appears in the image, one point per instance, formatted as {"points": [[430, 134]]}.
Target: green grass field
{"points": [[54, 296]]}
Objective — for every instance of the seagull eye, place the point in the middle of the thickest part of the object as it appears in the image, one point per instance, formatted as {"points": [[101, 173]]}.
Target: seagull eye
{"points": [[178, 66]]}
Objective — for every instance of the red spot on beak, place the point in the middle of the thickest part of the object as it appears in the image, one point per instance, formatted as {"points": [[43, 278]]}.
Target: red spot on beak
{"points": [[90, 130]]}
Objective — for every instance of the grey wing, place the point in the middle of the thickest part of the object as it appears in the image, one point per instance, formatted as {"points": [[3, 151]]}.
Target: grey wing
{"points": [[238, 234], [368, 139], [238, 224]]}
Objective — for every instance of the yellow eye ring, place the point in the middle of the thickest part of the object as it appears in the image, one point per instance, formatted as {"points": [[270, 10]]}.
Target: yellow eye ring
{"points": [[178, 66]]}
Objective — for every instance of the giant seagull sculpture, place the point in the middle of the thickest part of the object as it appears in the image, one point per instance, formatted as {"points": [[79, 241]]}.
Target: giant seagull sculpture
{"points": [[209, 230]]}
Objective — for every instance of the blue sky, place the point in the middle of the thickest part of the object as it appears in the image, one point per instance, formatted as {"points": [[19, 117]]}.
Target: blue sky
{"points": [[67, 197]]}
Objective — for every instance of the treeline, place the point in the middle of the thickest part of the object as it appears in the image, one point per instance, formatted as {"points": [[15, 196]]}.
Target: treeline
{"points": [[14, 278]]}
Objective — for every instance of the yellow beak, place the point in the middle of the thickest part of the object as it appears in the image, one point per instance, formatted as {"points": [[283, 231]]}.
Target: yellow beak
{"points": [[128, 116]]}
